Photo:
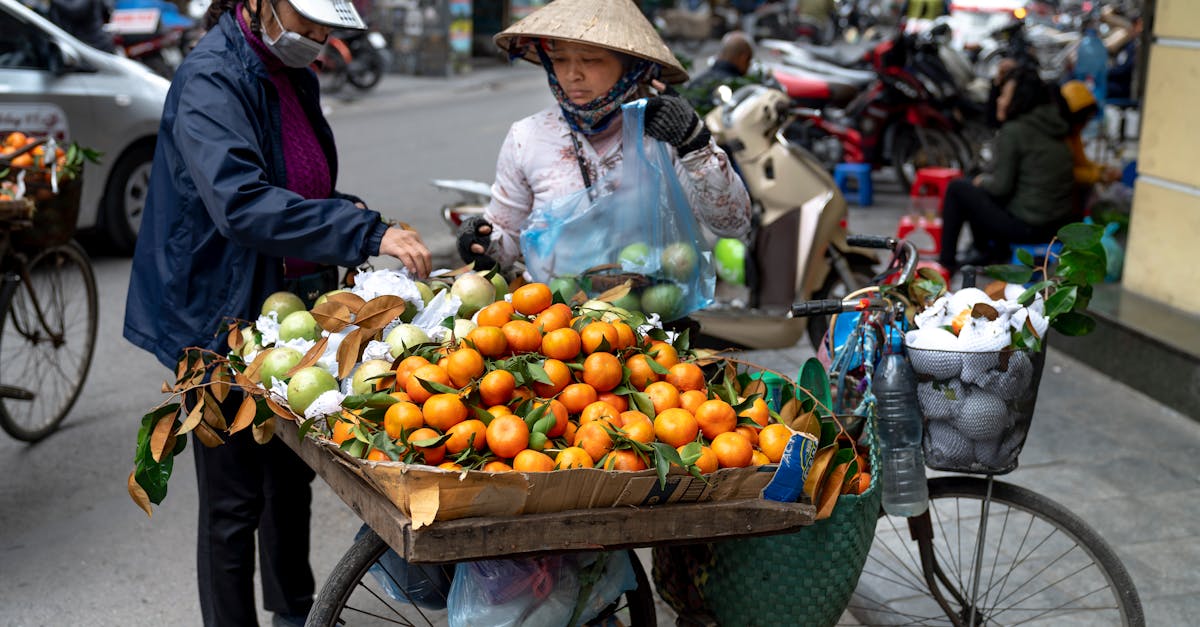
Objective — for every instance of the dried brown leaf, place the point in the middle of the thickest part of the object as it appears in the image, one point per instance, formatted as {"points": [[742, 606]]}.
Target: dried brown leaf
{"points": [[984, 310], [220, 383], [207, 436], [264, 432], [831, 489], [789, 411], [755, 386], [193, 418], [617, 292], [166, 388], [310, 358], [139, 495], [252, 370], [181, 369], [352, 301], [731, 377], [332, 316], [816, 474], [279, 410], [212, 413], [349, 352], [809, 423], [379, 311], [235, 340], [162, 438], [245, 415]]}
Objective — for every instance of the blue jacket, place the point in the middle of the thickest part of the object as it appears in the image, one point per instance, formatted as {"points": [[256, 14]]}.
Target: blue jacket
{"points": [[218, 218]]}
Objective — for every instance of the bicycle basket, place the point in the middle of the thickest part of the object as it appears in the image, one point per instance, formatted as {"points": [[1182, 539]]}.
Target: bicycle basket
{"points": [[977, 406], [804, 578], [54, 215]]}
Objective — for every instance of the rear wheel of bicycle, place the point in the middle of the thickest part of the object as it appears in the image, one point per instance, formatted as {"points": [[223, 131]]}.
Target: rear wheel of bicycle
{"points": [[44, 358], [1040, 564], [353, 595]]}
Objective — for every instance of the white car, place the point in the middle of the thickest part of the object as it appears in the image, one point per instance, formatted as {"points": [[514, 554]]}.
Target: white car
{"points": [[51, 83]]}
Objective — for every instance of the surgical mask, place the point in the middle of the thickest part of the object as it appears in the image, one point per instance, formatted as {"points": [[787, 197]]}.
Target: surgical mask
{"points": [[294, 49]]}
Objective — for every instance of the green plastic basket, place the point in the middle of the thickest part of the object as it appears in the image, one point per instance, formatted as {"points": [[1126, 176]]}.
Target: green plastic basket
{"points": [[804, 578]]}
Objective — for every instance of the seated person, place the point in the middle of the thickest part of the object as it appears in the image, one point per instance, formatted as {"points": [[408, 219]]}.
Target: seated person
{"points": [[1079, 107], [1027, 196]]}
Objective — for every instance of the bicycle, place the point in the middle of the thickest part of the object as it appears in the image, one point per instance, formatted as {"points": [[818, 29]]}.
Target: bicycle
{"points": [[985, 551], [48, 318]]}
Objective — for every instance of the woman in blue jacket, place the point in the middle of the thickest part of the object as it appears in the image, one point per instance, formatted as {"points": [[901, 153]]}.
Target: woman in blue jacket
{"points": [[242, 204]]}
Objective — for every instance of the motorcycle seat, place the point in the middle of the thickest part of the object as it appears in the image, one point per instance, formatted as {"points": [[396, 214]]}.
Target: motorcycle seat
{"points": [[813, 91], [847, 55]]}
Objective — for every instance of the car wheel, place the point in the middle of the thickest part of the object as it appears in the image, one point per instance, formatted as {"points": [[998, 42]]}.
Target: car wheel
{"points": [[125, 196]]}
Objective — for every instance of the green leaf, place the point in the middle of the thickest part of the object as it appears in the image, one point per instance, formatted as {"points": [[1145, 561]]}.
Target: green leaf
{"points": [[658, 368], [371, 399], [538, 374], [1028, 295], [815, 379], [1083, 267], [435, 387], [690, 454], [1009, 273], [682, 342], [545, 423], [534, 416], [306, 426], [1060, 302], [1078, 235], [1073, 323], [641, 402], [661, 463], [481, 414], [829, 433], [1025, 257]]}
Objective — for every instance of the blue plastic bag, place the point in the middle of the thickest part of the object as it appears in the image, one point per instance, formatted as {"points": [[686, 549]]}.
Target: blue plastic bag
{"points": [[635, 220]]}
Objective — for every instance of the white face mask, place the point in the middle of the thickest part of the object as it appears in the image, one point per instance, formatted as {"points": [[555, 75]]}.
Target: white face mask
{"points": [[294, 49]]}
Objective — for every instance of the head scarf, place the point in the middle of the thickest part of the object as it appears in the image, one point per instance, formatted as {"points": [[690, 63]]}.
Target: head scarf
{"points": [[595, 116]]}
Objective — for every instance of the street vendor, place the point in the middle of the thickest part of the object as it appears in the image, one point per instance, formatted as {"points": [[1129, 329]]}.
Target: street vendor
{"points": [[597, 55], [242, 203]]}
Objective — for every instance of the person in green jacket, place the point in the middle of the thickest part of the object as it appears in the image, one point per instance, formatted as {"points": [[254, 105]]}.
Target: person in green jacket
{"points": [[1027, 195]]}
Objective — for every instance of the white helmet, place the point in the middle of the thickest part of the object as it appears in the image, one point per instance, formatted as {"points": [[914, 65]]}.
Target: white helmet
{"points": [[334, 13]]}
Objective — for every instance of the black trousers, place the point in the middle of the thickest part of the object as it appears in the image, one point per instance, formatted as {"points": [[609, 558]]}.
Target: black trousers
{"points": [[993, 228], [246, 487]]}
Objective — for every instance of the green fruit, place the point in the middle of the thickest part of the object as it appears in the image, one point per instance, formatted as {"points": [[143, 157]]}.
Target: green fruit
{"points": [[306, 385], [462, 326], [282, 303], [634, 256], [299, 325], [679, 260], [277, 363], [629, 302], [426, 292], [249, 342], [405, 336], [363, 382], [664, 299], [474, 291], [500, 284], [565, 287], [730, 256], [324, 297]]}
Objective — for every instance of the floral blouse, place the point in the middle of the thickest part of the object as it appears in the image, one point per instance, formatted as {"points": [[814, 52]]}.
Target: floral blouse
{"points": [[538, 164]]}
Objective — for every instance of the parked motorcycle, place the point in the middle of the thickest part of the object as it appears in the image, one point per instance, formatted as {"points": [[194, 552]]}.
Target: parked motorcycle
{"points": [[360, 58], [152, 32]]}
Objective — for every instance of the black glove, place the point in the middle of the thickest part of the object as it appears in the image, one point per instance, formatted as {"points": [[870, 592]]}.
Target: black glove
{"points": [[475, 231], [671, 119]]}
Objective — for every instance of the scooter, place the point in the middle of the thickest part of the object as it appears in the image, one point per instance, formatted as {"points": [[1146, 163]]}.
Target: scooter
{"points": [[358, 57]]}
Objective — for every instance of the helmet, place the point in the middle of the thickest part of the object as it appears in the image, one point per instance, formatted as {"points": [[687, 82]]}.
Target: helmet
{"points": [[1077, 95], [617, 25], [334, 13]]}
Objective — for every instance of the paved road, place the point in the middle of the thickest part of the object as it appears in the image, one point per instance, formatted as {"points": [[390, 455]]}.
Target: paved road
{"points": [[75, 550]]}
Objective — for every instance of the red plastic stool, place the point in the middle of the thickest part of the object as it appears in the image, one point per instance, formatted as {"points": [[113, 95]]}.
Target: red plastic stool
{"points": [[936, 178], [924, 231]]}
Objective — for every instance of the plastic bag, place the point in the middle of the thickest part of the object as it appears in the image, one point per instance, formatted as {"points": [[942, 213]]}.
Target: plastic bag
{"points": [[637, 220], [536, 592], [426, 586]]}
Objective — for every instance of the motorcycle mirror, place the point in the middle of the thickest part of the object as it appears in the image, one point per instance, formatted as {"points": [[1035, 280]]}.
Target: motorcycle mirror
{"points": [[724, 94]]}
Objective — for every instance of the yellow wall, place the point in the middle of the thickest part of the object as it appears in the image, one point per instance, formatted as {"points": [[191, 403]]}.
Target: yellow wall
{"points": [[1164, 233]]}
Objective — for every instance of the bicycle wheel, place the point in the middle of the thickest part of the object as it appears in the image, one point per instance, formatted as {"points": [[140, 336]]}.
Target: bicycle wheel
{"points": [[1040, 564], [47, 335], [355, 596]]}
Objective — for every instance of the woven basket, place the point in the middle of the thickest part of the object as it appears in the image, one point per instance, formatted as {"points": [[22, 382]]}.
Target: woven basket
{"points": [[606, 277], [54, 217], [16, 210], [978, 407]]}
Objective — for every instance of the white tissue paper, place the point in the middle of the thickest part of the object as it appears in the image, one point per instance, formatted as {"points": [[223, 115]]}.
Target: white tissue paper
{"points": [[981, 339], [324, 405], [268, 326], [368, 285], [377, 350]]}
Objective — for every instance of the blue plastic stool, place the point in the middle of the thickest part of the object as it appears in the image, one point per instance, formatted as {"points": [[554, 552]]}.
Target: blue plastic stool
{"points": [[1129, 173], [1039, 252], [862, 175]]}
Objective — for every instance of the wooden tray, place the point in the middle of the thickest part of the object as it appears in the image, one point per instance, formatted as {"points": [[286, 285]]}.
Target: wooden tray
{"points": [[531, 534]]}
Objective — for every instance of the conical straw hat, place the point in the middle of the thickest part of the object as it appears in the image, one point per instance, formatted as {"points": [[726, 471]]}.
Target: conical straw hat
{"points": [[614, 24]]}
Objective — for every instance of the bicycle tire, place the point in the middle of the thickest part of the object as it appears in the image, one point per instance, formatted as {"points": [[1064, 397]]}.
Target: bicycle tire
{"points": [[54, 371], [893, 564], [352, 574]]}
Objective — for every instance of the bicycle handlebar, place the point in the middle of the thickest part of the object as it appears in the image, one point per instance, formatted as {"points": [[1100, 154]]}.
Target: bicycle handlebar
{"points": [[871, 241]]}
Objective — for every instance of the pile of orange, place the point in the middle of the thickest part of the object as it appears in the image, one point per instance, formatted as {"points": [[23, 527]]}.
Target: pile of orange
{"points": [[540, 386], [16, 141]]}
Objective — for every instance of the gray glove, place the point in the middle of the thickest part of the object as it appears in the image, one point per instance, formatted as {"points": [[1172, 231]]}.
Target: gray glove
{"points": [[671, 119], [475, 231]]}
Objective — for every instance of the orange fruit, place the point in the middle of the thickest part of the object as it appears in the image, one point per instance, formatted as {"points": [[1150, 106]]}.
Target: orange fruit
{"points": [[400, 396], [592, 438], [640, 374], [758, 412], [530, 460], [521, 395], [595, 334], [402, 417], [499, 410], [638, 429], [569, 434], [489, 341], [600, 411], [450, 466], [708, 460], [625, 460], [625, 336], [497, 466], [686, 376], [507, 436], [662, 395], [733, 450], [377, 455], [522, 336], [405, 367], [463, 365], [496, 387], [429, 372], [561, 343], [553, 318], [433, 455], [340, 431], [664, 354], [560, 419], [748, 432], [577, 396], [759, 458], [531, 298], [676, 426], [573, 457], [616, 400], [772, 440], [560, 377], [602, 371], [496, 314], [715, 417], [691, 399], [443, 411], [471, 433]]}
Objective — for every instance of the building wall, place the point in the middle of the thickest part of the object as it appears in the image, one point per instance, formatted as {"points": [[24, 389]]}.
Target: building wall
{"points": [[1164, 233]]}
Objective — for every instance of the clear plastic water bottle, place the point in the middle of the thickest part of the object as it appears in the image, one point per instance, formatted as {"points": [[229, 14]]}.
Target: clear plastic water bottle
{"points": [[1091, 67], [898, 417]]}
